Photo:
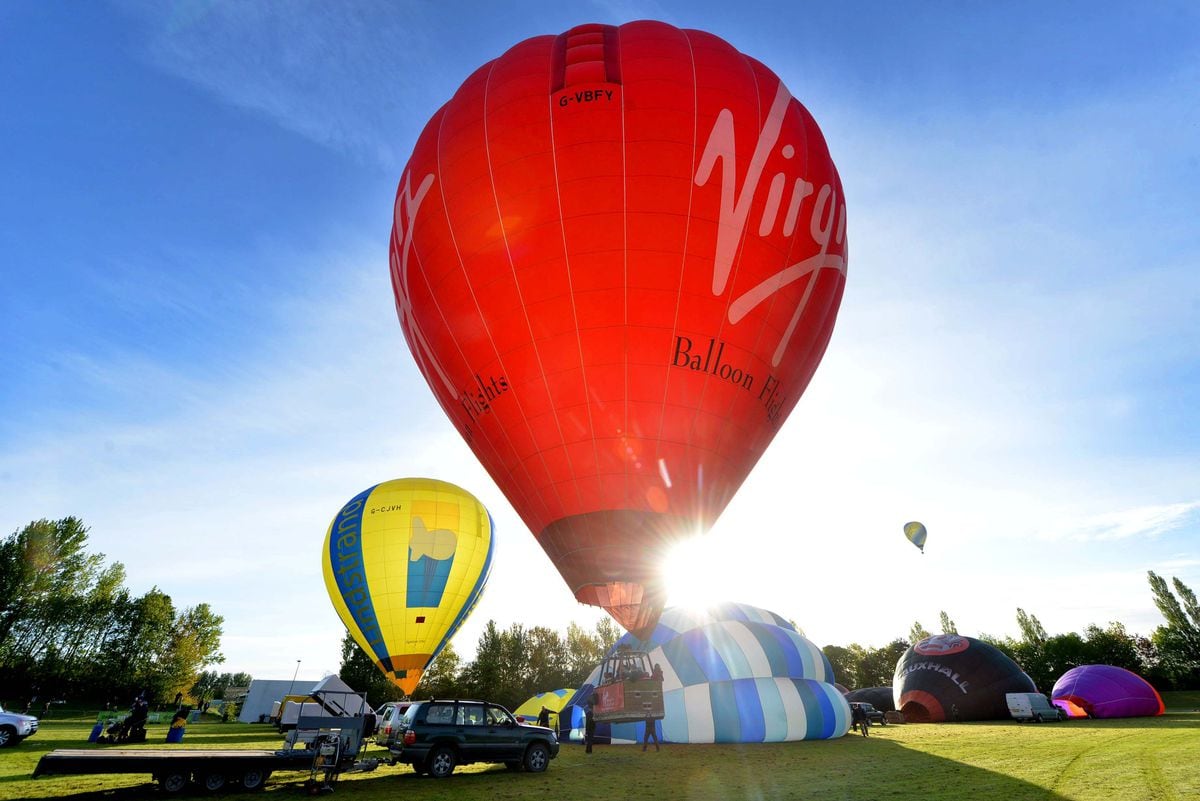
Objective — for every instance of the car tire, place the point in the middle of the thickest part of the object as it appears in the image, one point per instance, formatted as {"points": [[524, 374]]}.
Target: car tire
{"points": [[1038, 717], [8, 736], [537, 758], [441, 762]]}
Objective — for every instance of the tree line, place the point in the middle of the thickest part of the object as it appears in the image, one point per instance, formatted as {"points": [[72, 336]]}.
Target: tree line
{"points": [[514, 664], [1169, 658], [510, 665], [71, 629]]}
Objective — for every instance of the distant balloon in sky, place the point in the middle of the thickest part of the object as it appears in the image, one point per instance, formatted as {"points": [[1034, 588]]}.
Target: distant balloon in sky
{"points": [[617, 255], [916, 534], [405, 562]]}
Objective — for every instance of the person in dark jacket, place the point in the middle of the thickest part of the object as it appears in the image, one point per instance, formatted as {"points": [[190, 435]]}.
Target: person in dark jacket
{"points": [[650, 731], [589, 726], [544, 717]]}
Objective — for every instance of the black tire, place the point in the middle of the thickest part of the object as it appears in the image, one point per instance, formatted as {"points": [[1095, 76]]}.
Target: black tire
{"points": [[8, 736], [1038, 717], [211, 782], [537, 758], [254, 779], [441, 762], [173, 782]]}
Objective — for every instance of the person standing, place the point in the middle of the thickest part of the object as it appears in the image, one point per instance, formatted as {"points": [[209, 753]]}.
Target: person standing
{"points": [[650, 731], [544, 717], [589, 725]]}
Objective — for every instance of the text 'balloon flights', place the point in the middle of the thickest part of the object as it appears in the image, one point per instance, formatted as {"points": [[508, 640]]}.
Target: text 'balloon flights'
{"points": [[617, 255]]}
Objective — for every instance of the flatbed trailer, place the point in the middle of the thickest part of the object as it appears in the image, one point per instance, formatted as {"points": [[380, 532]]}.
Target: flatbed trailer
{"points": [[212, 769]]}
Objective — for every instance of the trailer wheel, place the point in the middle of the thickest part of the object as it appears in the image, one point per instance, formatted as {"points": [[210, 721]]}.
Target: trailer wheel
{"points": [[213, 782], [254, 779], [173, 782]]}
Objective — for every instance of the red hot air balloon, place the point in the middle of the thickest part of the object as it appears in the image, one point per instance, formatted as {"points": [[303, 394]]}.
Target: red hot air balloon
{"points": [[618, 254]]}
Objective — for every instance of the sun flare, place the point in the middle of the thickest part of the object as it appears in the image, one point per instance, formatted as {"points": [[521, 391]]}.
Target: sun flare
{"points": [[693, 574]]}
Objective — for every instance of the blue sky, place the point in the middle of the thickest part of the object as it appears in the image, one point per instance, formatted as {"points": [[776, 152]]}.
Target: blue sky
{"points": [[201, 357]]}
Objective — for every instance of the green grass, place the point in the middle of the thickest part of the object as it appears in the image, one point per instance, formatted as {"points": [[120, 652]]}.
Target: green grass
{"points": [[1132, 759]]}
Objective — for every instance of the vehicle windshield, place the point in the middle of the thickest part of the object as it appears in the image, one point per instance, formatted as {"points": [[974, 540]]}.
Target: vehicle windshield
{"points": [[498, 716]]}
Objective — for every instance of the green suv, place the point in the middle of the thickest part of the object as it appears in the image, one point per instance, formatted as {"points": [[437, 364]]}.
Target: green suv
{"points": [[435, 736]]}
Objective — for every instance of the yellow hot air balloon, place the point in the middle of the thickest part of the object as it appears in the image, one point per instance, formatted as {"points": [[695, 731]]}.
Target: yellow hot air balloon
{"points": [[405, 562], [916, 534]]}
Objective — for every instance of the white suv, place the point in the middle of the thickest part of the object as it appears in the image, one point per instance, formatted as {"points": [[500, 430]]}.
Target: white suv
{"points": [[15, 727]]}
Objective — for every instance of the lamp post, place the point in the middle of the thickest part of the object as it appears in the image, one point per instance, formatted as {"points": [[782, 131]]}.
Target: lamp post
{"points": [[294, 675]]}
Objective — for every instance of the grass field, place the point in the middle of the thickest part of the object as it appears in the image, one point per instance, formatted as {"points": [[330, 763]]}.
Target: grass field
{"points": [[1132, 759]]}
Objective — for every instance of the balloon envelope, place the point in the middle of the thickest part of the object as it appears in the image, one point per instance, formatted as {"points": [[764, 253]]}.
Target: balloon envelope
{"points": [[1107, 691], [734, 673], [915, 532], [554, 700], [881, 698], [948, 676], [617, 256], [405, 562]]}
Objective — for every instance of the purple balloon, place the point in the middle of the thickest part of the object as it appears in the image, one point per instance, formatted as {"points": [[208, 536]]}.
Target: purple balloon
{"points": [[1105, 691]]}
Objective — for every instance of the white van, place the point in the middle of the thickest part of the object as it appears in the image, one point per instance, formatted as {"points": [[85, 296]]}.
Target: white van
{"points": [[1032, 706]]}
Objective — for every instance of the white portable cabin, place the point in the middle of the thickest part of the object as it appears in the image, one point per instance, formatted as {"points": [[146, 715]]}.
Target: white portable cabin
{"points": [[265, 692]]}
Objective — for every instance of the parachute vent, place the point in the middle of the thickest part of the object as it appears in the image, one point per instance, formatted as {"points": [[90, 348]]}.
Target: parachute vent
{"points": [[586, 54]]}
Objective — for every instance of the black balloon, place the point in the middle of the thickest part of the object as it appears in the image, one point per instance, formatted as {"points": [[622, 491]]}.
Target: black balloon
{"points": [[948, 677], [879, 697]]}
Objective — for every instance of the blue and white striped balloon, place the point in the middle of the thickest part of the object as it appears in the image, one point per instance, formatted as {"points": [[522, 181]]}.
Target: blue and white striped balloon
{"points": [[731, 674]]}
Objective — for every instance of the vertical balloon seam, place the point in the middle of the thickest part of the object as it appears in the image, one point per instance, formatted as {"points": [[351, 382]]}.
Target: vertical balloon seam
{"points": [[711, 381], [517, 401], [562, 226], [477, 589], [348, 617], [492, 463], [687, 232], [541, 371]]}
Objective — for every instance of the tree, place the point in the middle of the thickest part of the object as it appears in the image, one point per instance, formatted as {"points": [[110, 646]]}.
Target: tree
{"points": [[211, 686], [877, 667], [441, 679], [1031, 628], [360, 672], [1112, 646], [918, 633], [948, 626], [844, 662], [1178, 642], [40, 566], [68, 625], [193, 646]]}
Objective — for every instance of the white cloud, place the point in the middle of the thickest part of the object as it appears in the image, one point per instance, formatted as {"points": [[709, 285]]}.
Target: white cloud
{"points": [[1146, 521]]}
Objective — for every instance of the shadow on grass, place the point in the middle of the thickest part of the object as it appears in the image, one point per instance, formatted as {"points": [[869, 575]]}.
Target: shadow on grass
{"points": [[849, 768]]}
